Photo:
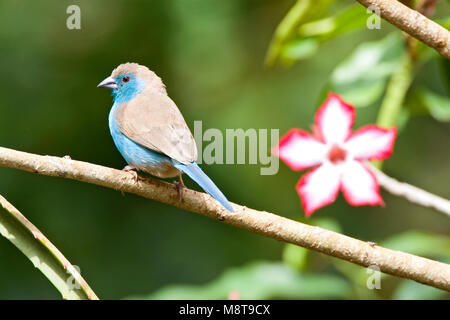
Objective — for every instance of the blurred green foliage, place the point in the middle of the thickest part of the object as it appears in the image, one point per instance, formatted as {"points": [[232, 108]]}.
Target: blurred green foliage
{"points": [[210, 55], [362, 77], [261, 280]]}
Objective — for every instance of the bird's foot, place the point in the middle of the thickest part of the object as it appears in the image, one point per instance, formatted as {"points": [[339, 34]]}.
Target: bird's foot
{"points": [[179, 185], [132, 170]]}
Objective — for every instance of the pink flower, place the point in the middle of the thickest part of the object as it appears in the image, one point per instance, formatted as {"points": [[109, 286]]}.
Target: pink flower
{"points": [[337, 155]]}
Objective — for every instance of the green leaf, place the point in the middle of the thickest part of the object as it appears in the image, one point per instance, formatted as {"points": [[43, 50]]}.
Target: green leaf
{"points": [[302, 11], [305, 42], [438, 106], [362, 77], [351, 18], [260, 280], [362, 94], [299, 49], [420, 243], [354, 17], [298, 35], [425, 102]]}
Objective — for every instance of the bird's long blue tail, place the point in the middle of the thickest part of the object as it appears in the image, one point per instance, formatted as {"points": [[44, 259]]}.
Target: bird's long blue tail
{"points": [[196, 174]]}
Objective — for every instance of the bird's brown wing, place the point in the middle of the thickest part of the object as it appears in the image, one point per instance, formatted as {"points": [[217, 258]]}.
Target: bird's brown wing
{"points": [[154, 121]]}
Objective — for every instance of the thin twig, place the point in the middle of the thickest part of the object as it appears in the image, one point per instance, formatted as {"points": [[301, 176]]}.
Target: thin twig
{"points": [[42, 253], [397, 263], [395, 93], [411, 193], [285, 28], [413, 23]]}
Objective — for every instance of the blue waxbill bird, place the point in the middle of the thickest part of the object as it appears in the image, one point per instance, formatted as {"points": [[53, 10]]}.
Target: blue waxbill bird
{"points": [[149, 130]]}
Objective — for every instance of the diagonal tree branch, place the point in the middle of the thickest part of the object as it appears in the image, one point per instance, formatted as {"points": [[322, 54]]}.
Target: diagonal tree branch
{"points": [[411, 193], [413, 23], [426, 271]]}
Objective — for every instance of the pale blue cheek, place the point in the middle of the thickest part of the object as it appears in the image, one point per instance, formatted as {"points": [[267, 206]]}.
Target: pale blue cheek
{"points": [[127, 91]]}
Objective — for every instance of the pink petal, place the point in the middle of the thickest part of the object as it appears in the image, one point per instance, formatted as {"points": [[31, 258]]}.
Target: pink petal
{"points": [[334, 119], [319, 187], [371, 142], [359, 185], [300, 150]]}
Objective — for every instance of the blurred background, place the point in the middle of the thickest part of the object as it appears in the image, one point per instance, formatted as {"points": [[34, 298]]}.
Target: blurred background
{"points": [[210, 54]]}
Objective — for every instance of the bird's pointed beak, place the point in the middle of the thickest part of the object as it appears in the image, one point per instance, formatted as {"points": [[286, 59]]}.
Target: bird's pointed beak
{"points": [[108, 83]]}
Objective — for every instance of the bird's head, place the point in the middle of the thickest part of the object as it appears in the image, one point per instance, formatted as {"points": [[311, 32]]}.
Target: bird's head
{"points": [[130, 79]]}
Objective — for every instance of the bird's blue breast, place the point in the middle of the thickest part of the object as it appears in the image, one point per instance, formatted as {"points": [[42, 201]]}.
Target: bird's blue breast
{"points": [[133, 153]]}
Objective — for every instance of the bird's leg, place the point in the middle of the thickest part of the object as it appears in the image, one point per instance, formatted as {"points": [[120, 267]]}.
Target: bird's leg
{"points": [[179, 185], [132, 169]]}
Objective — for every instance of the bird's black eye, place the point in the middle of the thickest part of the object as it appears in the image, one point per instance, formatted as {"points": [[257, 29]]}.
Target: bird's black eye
{"points": [[126, 79]]}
